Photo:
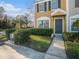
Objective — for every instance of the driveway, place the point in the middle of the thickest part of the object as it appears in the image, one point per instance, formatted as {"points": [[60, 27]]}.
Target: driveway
{"points": [[7, 52], [12, 51]]}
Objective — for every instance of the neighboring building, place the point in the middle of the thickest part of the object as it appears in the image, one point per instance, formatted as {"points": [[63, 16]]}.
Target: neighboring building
{"points": [[30, 24], [73, 14], [56, 14]]}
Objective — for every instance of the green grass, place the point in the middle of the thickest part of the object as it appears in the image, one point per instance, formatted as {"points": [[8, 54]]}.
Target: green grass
{"points": [[3, 38], [40, 43], [72, 49]]}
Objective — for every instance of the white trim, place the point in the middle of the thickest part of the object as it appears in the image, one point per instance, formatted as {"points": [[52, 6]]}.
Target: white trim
{"points": [[72, 17], [42, 1], [43, 18], [62, 24], [53, 9], [58, 10], [34, 23], [67, 16], [75, 16]]}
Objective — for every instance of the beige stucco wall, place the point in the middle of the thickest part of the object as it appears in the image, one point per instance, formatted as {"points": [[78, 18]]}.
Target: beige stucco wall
{"points": [[41, 14], [48, 14], [63, 4]]}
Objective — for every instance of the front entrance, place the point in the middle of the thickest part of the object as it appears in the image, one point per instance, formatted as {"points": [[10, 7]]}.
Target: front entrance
{"points": [[58, 26]]}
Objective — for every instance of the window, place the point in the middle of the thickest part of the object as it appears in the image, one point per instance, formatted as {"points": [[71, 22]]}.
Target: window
{"points": [[76, 3], [55, 4], [74, 28], [41, 7], [43, 24]]}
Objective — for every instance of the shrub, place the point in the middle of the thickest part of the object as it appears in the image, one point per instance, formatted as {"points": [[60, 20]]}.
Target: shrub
{"points": [[72, 49], [43, 32], [73, 36], [8, 32], [21, 36]]}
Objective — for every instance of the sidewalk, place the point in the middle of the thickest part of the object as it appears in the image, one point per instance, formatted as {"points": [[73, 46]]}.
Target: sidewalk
{"points": [[56, 50], [27, 52]]}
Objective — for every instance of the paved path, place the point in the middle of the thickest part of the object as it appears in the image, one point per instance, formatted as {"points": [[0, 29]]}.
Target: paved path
{"points": [[11, 51], [7, 52], [56, 50], [24, 51]]}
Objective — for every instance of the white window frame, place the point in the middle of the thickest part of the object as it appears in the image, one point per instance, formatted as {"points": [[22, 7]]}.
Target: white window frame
{"points": [[42, 6], [47, 18], [51, 6], [71, 25]]}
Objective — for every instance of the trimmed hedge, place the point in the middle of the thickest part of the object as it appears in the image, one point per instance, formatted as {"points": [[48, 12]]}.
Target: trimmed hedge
{"points": [[21, 36], [73, 36], [8, 32], [43, 32]]}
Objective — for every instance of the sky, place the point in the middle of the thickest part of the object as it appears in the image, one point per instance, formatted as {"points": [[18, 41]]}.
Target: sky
{"points": [[15, 7]]}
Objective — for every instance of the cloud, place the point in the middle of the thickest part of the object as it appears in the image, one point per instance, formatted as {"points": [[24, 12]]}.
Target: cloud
{"points": [[11, 10]]}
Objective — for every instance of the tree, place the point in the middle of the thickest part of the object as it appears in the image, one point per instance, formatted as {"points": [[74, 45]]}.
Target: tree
{"points": [[2, 11], [22, 20], [76, 24]]}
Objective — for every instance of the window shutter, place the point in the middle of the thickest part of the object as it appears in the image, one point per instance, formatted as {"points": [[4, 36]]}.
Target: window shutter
{"points": [[49, 5], [45, 6], [59, 3], [37, 7]]}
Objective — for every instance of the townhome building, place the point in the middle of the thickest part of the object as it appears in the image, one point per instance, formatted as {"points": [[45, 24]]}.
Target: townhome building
{"points": [[58, 15], [73, 14]]}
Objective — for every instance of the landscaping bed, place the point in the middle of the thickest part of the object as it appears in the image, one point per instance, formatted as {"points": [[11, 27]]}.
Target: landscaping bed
{"points": [[72, 50], [72, 45], [37, 39], [39, 43]]}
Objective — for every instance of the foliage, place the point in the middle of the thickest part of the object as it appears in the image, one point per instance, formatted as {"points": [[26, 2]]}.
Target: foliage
{"points": [[44, 32], [76, 23], [72, 49], [1, 11], [73, 36], [39, 43], [21, 36], [21, 19]]}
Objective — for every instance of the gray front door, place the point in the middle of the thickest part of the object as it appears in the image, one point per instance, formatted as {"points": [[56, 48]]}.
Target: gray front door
{"points": [[58, 26]]}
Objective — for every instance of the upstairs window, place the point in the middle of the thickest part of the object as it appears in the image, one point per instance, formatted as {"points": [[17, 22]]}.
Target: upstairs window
{"points": [[76, 3], [41, 7], [55, 4]]}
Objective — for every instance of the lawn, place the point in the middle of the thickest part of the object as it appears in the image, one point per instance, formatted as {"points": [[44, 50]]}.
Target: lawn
{"points": [[72, 49], [3, 38], [39, 43]]}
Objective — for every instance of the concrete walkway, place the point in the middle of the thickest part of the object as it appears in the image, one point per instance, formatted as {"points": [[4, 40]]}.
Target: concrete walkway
{"points": [[12, 51], [56, 50], [28, 53], [7, 52]]}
